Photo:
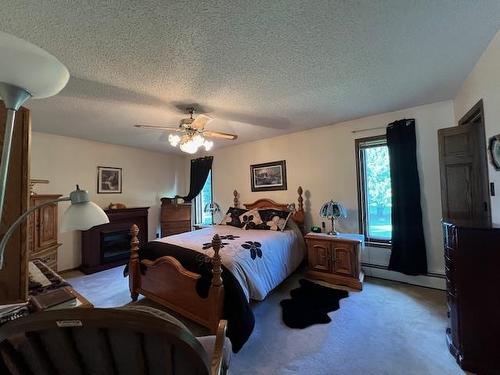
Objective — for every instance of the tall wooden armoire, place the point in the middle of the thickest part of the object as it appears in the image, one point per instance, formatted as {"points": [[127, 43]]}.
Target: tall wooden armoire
{"points": [[13, 276], [43, 230]]}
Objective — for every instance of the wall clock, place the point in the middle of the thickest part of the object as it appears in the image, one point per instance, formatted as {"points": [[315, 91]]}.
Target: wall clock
{"points": [[494, 146]]}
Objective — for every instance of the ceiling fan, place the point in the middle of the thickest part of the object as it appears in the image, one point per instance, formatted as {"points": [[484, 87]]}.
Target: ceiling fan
{"points": [[193, 133]]}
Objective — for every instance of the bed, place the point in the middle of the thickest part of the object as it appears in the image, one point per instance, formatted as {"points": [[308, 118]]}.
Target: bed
{"points": [[231, 262]]}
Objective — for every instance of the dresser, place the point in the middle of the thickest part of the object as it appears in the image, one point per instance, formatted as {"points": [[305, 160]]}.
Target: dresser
{"points": [[175, 217], [472, 259], [335, 259], [43, 230]]}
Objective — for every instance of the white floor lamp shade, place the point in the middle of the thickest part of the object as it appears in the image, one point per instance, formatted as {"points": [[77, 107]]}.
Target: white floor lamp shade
{"points": [[83, 216], [30, 68]]}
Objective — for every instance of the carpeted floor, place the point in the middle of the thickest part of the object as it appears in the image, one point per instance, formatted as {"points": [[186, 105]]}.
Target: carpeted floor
{"points": [[388, 328]]}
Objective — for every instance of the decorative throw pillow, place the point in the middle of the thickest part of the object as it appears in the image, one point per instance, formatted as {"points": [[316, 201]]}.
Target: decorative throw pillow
{"points": [[232, 217], [275, 219], [251, 219]]}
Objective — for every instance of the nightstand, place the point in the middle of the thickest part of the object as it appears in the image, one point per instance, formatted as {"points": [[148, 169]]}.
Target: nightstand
{"points": [[335, 259]]}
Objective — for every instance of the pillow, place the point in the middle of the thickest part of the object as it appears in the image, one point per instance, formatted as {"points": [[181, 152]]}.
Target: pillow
{"points": [[275, 219], [251, 219], [232, 217]]}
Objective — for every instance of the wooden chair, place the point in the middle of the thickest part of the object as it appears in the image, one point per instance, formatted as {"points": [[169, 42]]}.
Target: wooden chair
{"points": [[131, 340]]}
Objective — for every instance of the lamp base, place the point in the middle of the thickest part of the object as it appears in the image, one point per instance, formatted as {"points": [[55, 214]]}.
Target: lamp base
{"points": [[333, 233]]}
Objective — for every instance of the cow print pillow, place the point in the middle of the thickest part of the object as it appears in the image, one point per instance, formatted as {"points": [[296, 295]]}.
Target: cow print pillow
{"points": [[274, 219], [232, 217], [251, 219]]}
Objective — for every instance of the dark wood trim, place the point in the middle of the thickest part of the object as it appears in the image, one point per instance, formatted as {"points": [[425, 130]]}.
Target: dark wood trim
{"points": [[475, 111], [372, 242], [13, 276]]}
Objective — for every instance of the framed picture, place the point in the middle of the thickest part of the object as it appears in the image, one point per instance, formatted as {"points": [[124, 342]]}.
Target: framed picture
{"points": [[494, 147], [109, 180], [268, 176]]}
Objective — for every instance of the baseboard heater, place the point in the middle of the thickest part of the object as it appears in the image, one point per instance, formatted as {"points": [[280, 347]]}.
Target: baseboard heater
{"points": [[430, 280]]}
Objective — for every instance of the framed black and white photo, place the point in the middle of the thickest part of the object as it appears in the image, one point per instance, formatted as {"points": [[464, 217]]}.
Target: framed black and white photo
{"points": [[268, 176], [109, 180]]}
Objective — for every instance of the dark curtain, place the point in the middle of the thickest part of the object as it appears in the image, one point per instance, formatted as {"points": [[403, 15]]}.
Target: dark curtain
{"points": [[200, 168], [408, 254]]}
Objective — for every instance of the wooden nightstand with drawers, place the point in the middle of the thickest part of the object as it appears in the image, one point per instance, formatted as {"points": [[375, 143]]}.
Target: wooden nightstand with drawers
{"points": [[335, 259]]}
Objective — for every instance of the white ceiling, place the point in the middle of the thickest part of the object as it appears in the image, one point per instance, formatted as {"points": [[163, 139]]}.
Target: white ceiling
{"points": [[274, 66]]}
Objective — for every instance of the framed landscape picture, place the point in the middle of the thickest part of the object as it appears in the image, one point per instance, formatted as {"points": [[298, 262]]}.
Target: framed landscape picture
{"points": [[109, 180], [268, 176]]}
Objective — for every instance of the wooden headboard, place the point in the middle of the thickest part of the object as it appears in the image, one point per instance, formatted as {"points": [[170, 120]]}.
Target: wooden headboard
{"points": [[298, 215]]}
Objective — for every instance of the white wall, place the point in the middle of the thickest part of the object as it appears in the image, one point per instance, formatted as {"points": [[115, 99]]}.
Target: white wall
{"points": [[65, 161], [484, 83], [322, 160]]}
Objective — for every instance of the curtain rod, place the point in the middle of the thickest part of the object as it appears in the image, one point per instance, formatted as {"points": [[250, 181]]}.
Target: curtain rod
{"points": [[365, 130]]}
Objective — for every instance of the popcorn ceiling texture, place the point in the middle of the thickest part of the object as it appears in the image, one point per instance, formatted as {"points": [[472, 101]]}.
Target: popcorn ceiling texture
{"points": [[274, 66]]}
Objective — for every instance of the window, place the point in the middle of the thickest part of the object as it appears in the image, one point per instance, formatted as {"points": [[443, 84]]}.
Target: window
{"points": [[202, 200], [374, 189]]}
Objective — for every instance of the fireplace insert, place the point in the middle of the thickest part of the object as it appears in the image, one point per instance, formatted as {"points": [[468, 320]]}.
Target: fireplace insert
{"points": [[115, 245]]}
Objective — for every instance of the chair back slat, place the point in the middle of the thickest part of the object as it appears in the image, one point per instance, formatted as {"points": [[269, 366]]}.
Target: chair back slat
{"points": [[101, 342], [13, 360], [95, 349], [60, 347]]}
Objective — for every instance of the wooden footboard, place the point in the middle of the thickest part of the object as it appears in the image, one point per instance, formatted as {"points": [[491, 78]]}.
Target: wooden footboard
{"points": [[168, 283]]}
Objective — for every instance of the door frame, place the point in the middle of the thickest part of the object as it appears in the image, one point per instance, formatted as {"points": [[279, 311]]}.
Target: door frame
{"points": [[477, 110]]}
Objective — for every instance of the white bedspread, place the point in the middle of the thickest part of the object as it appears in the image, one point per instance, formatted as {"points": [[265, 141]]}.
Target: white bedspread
{"points": [[259, 259]]}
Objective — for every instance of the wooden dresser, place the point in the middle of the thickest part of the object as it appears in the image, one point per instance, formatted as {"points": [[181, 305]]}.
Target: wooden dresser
{"points": [[13, 280], [43, 230], [175, 217], [335, 259], [472, 258]]}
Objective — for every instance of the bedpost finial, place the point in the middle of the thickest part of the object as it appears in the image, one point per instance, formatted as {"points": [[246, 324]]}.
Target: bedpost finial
{"points": [[216, 261], [300, 199], [216, 243], [134, 240], [235, 200]]}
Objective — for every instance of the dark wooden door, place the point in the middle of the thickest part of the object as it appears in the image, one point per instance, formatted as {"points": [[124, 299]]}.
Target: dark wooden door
{"points": [[463, 169]]}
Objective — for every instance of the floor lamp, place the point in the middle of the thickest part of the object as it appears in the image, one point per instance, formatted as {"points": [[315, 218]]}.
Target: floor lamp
{"points": [[27, 71]]}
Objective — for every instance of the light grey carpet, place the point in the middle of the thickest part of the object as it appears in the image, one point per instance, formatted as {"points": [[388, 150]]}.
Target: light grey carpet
{"points": [[388, 328]]}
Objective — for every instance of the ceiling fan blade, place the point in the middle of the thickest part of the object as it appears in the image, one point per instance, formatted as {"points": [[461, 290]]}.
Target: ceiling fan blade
{"points": [[212, 134], [163, 128], [200, 121]]}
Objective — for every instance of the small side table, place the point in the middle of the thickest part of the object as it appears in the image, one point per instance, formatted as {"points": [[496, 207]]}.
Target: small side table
{"points": [[335, 259]]}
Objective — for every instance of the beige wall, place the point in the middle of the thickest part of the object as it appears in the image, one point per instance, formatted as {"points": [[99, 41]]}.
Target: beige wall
{"points": [[65, 161], [484, 83], [322, 160]]}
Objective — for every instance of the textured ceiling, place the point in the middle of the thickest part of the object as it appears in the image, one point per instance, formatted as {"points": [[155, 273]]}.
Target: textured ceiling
{"points": [[273, 66]]}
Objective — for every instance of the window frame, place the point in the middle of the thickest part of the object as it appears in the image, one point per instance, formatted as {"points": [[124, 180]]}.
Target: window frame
{"points": [[361, 175], [198, 209]]}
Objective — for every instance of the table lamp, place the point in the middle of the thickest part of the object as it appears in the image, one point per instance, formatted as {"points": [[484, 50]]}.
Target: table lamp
{"points": [[212, 208], [333, 210]]}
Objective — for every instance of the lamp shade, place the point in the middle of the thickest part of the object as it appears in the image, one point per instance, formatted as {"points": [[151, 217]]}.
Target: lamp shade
{"points": [[333, 209], [29, 67], [211, 207], [83, 216]]}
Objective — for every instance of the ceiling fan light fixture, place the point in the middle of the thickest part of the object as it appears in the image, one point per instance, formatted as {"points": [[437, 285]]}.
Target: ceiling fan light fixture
{"points": [[208, 145], [174, 139], [189, 147]]}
